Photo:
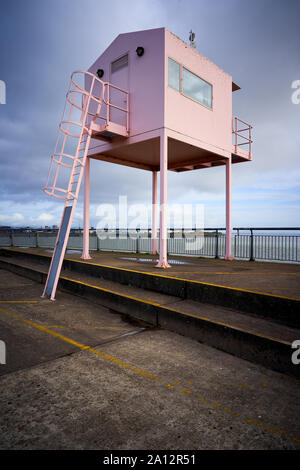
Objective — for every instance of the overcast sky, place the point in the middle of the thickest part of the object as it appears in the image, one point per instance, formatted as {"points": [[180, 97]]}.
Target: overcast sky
{"points": [[257, 42]]}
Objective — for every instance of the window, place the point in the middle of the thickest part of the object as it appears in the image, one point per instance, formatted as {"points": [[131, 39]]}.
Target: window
{"points": [[196, 88], [173, 74], [189, 84], [119, 63]]}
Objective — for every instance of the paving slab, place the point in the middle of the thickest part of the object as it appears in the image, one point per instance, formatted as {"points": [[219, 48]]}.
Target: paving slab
{"points": [[152, 390], [27, 346]]}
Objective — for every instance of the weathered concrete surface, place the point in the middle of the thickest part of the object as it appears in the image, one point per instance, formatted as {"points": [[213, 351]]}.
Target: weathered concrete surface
{"points": [[273, 278], [277, 308], [251, 338], [28, 346], [150, 390]]}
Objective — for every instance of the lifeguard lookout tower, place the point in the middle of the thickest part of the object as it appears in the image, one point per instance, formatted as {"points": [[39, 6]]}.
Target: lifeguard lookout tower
{"points": [[153, 102]]}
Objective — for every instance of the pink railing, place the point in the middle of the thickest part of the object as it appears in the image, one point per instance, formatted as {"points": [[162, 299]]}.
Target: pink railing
{"points": [[107, 87], [86, 96], [243, 133]]}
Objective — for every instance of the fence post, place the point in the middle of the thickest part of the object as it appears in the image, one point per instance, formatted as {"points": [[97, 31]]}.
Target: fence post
{"points": [[217, 245], [234, 253], [37, 239], [251, 246]]}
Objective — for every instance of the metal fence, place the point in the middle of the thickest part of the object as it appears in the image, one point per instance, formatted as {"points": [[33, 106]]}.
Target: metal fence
{"points": [[208, 243]]}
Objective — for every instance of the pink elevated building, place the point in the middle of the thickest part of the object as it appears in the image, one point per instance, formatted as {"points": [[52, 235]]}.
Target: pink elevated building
{"points": [[153, 102]]}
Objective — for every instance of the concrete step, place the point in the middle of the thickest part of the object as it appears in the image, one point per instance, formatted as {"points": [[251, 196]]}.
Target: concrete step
{"points": [[255, 339], [276, 308]]}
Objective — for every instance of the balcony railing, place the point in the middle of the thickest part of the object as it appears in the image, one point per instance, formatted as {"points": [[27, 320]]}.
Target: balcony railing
{"points": [[242, 134]]}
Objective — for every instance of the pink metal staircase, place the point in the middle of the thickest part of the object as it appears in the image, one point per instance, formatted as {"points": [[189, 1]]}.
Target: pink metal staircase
{"points": [[86, 115]]}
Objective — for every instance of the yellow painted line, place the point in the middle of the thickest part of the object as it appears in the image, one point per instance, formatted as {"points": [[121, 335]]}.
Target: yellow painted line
{"points": [[237, 273], [186, 392], [167, 307], [107, 357], [203, 272], [155, 304], [172, 277], [183, 279], [114, 328], [79, 345], [43, 328], [112, 292], [18, 301]]}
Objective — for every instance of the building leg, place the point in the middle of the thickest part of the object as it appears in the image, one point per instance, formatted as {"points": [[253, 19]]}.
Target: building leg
{"points": [[154, 205], [228, 254], [86, 212], [163, 262]]}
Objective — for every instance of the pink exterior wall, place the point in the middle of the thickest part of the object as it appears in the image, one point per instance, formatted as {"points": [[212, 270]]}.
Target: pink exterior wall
{"points": [[154, 105], [145, 81], [185, 116]]}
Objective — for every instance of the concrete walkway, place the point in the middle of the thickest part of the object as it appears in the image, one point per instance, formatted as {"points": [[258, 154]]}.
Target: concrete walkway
{"points": [[282, 279], [81, 377]]}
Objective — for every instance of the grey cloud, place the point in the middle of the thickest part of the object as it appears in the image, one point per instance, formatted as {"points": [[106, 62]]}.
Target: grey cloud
{"points": [[257, 43]]}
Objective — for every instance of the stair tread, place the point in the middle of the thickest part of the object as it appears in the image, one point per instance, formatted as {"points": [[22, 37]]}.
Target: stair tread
{"points": [[214, 313], [238, 320]]}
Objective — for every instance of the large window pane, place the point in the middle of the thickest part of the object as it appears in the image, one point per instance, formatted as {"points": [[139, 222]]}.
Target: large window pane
{"points": [[196, 88], [173, 74]]}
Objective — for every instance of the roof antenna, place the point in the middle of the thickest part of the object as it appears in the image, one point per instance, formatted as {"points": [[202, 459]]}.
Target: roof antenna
{"points": [[192, 39]]}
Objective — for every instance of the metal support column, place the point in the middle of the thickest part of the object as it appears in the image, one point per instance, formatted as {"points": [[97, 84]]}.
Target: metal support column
{"points": [[163, 262], [86, 212], [228, 255]]}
